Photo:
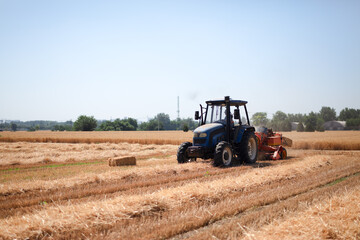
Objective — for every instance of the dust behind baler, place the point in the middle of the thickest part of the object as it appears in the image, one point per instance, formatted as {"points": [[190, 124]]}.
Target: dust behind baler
{"points": [[271, 144]]}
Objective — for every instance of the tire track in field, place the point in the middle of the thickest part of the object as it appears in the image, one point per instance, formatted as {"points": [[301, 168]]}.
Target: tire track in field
{"points": [[259, 216], [28, 201], [203, 213], [197, 213]]}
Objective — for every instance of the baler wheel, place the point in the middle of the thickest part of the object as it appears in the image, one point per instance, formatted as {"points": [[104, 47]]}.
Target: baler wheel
{"points": [[283, 154]]}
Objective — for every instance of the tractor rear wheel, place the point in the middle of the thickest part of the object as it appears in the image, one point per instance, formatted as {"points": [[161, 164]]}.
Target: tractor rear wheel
{"points": [[249, 148], [223, 154], [181, 154]]}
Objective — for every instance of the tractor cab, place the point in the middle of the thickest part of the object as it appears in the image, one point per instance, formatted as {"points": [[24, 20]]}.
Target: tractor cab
{"points": [[216, 112], [221, 129]]}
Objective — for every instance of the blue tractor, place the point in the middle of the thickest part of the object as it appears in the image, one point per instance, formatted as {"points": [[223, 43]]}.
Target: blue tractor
{"points": [[219, 138]]}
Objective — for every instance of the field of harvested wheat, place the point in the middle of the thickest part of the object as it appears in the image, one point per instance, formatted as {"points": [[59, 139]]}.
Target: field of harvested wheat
{"points": [[330, 140], [58, 185], [142, 137]]}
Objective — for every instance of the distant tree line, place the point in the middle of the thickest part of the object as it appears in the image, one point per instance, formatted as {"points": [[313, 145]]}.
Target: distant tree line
{"points": [[36, 125], [314, 121], [162, 122], [126, 124], [280, 121], [88, 123]]}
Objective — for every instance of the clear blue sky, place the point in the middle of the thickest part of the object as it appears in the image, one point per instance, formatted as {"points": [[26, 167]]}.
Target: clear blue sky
{"points": [[115, 59]]}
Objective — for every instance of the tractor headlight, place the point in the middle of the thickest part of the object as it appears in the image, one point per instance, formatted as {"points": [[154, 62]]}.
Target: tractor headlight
{"points": [[196, 135], [203, 135]]}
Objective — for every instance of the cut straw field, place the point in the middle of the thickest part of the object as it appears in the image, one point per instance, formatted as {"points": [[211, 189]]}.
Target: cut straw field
{"points": [[61, 190], [336, 218], [32, 153], [142, 137], [330, 140]]}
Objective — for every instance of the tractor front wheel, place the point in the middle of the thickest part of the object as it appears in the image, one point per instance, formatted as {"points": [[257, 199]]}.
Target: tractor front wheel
{"points": [[223, 154], [181, 154]]}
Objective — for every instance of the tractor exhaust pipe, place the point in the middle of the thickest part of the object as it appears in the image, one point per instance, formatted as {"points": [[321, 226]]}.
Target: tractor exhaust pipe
{"points": [[228, 119]]}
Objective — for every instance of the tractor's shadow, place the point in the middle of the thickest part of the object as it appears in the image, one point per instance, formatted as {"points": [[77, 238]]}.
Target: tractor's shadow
{"points": [[260, 163], [254, 165]]}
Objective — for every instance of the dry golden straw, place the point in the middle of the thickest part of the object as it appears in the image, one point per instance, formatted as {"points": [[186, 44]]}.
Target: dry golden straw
{"points": [[122, 161]]}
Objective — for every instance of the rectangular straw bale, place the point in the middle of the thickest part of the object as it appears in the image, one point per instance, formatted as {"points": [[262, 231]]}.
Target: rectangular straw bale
{"points": [[286, 142], [122, 161]]}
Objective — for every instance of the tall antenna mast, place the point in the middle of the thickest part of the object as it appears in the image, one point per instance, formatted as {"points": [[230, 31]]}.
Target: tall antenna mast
{"points": [[178, 108]]}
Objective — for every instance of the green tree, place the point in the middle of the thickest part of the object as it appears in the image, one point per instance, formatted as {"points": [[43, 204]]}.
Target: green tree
{"points": [[127, 124], [106, 126], [13, 126], [353, 124], [298, 117], [259, 119], [349, 113], [85, 123], [133, 122], [179, 123], [280, 122], [61, 128], [164, 119], [143, 126], [151, 125], [300, 127], [190, 122], [117, 124], [328, 114], [160, 122], [31, 129], [320, 124], [311, 122], [185, 127], [279, 116], [285, 125], [5, 126]]}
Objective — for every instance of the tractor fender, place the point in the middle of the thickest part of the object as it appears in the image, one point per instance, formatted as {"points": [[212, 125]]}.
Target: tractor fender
{"points": [[240, 130]]}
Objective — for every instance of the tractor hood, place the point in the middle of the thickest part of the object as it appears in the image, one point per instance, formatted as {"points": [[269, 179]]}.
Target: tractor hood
{"points": [[207, 128], [209, 135]]}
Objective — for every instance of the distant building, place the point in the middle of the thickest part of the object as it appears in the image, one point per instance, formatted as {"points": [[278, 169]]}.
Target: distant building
{"points": [[334, 125]]}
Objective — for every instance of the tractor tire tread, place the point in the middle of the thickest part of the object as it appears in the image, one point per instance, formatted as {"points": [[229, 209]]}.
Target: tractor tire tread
{"points": [[244, 155], [181, 153], [218, 161]]}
